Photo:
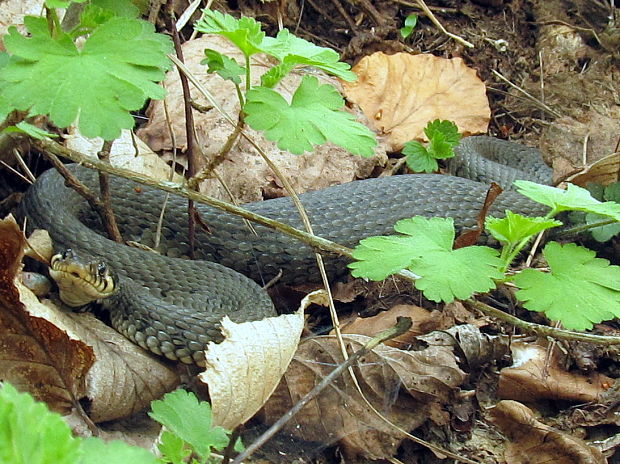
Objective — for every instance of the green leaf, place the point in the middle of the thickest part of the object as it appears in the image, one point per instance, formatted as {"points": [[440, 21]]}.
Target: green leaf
{"points": [[245, 33], [190, 420], [312, 118], [514, 227], [448, 129], [410, 23], [92, 17], [124, 8], [96, 451], [603, 233], [426, 250], [25, 128], [418, 157], [31, 434], [61, 3], [172, 448], [294, 51], [113, 74], [439, 147], [580, 290], [573, 198], [612, 192], [226, 67]]}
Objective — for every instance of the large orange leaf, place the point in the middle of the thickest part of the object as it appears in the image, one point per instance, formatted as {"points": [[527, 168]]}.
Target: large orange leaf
{"points": [[401, 93]]}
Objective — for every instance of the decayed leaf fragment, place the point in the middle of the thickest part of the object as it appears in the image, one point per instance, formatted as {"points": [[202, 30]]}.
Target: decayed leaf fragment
{"points": [[401, 93], [407, 387], [536, 375], [532, 442]]}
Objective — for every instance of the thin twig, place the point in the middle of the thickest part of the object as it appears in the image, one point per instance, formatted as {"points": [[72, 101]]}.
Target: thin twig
{"points": [[543, 330], [402, 325], [192, 161], [109, 219], [535, 100], [24, 166], [436, 22], [17, 173]]}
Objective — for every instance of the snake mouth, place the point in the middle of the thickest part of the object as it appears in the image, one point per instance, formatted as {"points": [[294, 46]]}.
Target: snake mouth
{"points": [[80, 282]]}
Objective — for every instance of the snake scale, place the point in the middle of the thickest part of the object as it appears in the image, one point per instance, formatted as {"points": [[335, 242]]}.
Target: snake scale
{"points": [[172, 306]]}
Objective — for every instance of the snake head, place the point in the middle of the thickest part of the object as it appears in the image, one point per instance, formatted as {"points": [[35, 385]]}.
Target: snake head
{"points": [[81, 282]]}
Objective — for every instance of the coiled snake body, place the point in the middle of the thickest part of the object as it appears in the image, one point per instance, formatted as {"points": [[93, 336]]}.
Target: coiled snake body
{"points": [[173, 306]]}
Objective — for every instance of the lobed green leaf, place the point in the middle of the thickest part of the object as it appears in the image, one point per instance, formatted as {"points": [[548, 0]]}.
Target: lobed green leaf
{"points": [[425, 248], [312, 118], [191, 420], [581, 290], [514, 227], [113, 74], [31, 434], [573, 198], [96, 451], [245, 33]]}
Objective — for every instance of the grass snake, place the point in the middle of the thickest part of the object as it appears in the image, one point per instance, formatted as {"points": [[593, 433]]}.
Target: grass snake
{"points": [[172, 306]]}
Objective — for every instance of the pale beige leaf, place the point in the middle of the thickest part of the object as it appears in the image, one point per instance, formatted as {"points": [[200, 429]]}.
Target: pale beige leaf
{"points": [[243, 370], [604, 171], [123, 154], [401, 93]]}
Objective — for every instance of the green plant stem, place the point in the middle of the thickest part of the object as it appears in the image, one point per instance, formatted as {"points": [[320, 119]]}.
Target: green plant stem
{"points": [[543, 330], [53, 23], [585, 227], [248, 76]]}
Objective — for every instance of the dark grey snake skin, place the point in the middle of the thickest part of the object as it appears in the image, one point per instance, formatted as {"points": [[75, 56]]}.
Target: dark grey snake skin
{"points": [[173, 306]]}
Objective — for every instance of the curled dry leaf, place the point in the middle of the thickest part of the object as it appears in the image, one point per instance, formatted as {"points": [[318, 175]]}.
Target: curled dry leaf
{"points": [[243, 370], [243, 170], [36, 355], [536, 376], [604, 171], [124, 378], [401, 93], [532, 442], [62, 358], [407, 387]]}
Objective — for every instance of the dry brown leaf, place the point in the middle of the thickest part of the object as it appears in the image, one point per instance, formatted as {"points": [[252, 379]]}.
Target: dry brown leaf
{"points": [[535, 376], [532, 442], [64, 357], [35, 355], [124, 378], [407, 387], [604, 171], [243, 371], [243, 170], [571, 145], [371, 326], [401, 93]]}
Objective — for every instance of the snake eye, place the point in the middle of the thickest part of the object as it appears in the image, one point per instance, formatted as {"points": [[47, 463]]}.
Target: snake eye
{"points": [[102, 269], [68, 253]]}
